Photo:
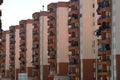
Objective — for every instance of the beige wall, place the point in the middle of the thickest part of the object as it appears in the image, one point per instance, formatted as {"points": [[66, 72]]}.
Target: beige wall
{"points": [[44, 44], [88, 29], [117, 20], [29, 28], [17, 50], [62, 34], [7, 52]]}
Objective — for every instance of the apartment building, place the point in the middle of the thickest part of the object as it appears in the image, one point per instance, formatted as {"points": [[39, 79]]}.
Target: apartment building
{"points": [[108, 39], [6, 40], [58, 39], [36, 45], [12, 52], [82, 49], [2, 56], [26, 46], [40, 46]]}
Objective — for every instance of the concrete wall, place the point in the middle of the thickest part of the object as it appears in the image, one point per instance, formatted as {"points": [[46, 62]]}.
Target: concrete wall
{"points": [[29, 28]]}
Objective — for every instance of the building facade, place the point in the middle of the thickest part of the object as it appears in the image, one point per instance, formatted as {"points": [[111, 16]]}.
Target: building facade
{"points": [[36, 45], [58, 39], [82, 49], [26, 47], [109, 40]]}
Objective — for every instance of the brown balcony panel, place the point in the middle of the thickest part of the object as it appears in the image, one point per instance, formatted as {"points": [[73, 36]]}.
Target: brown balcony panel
{"points": [[11, 50], [12, 62], [106, 9], [73, 48], [22, 47], [74, 56], [51, 60], [51, 53], [12, 44], [107, 41], [73, 12], [36, 63], [36, 42], [52, 45], [73, 21], [23, 59], [74, 3], [36, 29], [104, 74], [23, 53], [74, 65], [22, 41], [105, 62], [36, 36], [73, 39], [52, 22], [108, 52], [53, 29], [12, 39], [22, 35], [71, 30], [74, 74], [52, 37], [12, 56], [36, 22], [100, 21], [52, 14], [106, 31]]}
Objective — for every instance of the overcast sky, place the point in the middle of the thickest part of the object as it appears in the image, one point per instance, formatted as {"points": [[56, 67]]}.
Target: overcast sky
{"points": [[15, 10]]}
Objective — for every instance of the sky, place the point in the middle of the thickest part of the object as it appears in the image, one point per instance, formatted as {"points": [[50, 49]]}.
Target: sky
{"points": [[15, 10]]}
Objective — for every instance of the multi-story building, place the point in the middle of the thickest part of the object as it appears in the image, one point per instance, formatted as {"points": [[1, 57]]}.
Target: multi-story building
{"points": [[12, 52], [108, 39], [36, 45], [26, 46], [82, 53], [40, 57], [58, 39], [2, 55]]}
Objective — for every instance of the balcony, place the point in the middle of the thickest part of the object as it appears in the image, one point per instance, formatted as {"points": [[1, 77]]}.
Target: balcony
{"points": [[74, 56], [74, 45], [103, 4], [104, 41], [52, 29], [106, 19], [51, 35], [51, 22], [74, 2], [22, 32], [53, 14], [73, 38], [73, 12], [104, 73], [23, 35], [104, 62], [52, 59], [73, 21], [73, 29], [73, 62], [108, 52]]}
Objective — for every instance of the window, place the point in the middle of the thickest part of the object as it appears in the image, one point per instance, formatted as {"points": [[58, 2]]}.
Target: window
{"points": [[93, 5], [93, 14]]}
